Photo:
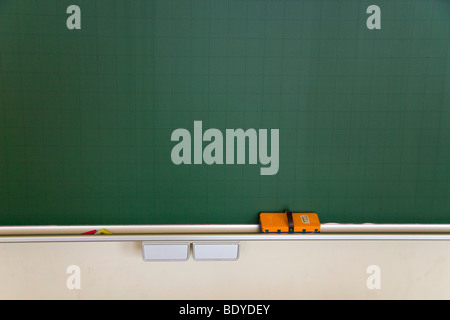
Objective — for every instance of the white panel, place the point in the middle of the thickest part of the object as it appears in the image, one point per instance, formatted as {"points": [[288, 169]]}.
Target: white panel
{"points": [[418, 269], [165, 251], [216, 251]]}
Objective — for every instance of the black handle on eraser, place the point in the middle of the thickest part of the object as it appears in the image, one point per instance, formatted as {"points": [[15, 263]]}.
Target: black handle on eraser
{"points": [[290, 220]]}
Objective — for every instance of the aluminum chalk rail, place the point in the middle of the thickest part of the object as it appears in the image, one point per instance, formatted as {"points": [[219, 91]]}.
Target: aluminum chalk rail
{"points": [[222, 237], [250, 232]]}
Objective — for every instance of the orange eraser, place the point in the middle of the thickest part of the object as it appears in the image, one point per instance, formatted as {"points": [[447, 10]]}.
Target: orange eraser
{"points": [[298, 222]]}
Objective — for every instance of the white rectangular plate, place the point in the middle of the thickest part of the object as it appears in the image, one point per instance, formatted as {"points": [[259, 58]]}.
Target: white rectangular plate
{"points": [[216, 251], [165, 251]]}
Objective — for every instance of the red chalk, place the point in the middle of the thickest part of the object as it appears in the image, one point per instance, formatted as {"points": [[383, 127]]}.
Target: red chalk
{"points": [[90, 232]]}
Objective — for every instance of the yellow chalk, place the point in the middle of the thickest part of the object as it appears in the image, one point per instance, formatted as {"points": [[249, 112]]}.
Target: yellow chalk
{"points": [[103, 231]]}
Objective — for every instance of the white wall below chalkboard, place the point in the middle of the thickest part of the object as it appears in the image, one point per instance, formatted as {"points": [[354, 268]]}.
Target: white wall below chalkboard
{"points": [[346, 269]]}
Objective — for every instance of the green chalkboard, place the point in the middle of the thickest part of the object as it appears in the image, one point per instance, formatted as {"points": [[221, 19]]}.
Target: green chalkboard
{"points": [[211, 111]]}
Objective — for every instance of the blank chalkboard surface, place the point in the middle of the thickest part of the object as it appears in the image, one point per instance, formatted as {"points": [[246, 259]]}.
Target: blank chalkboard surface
{"points": [[212, 111]]}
